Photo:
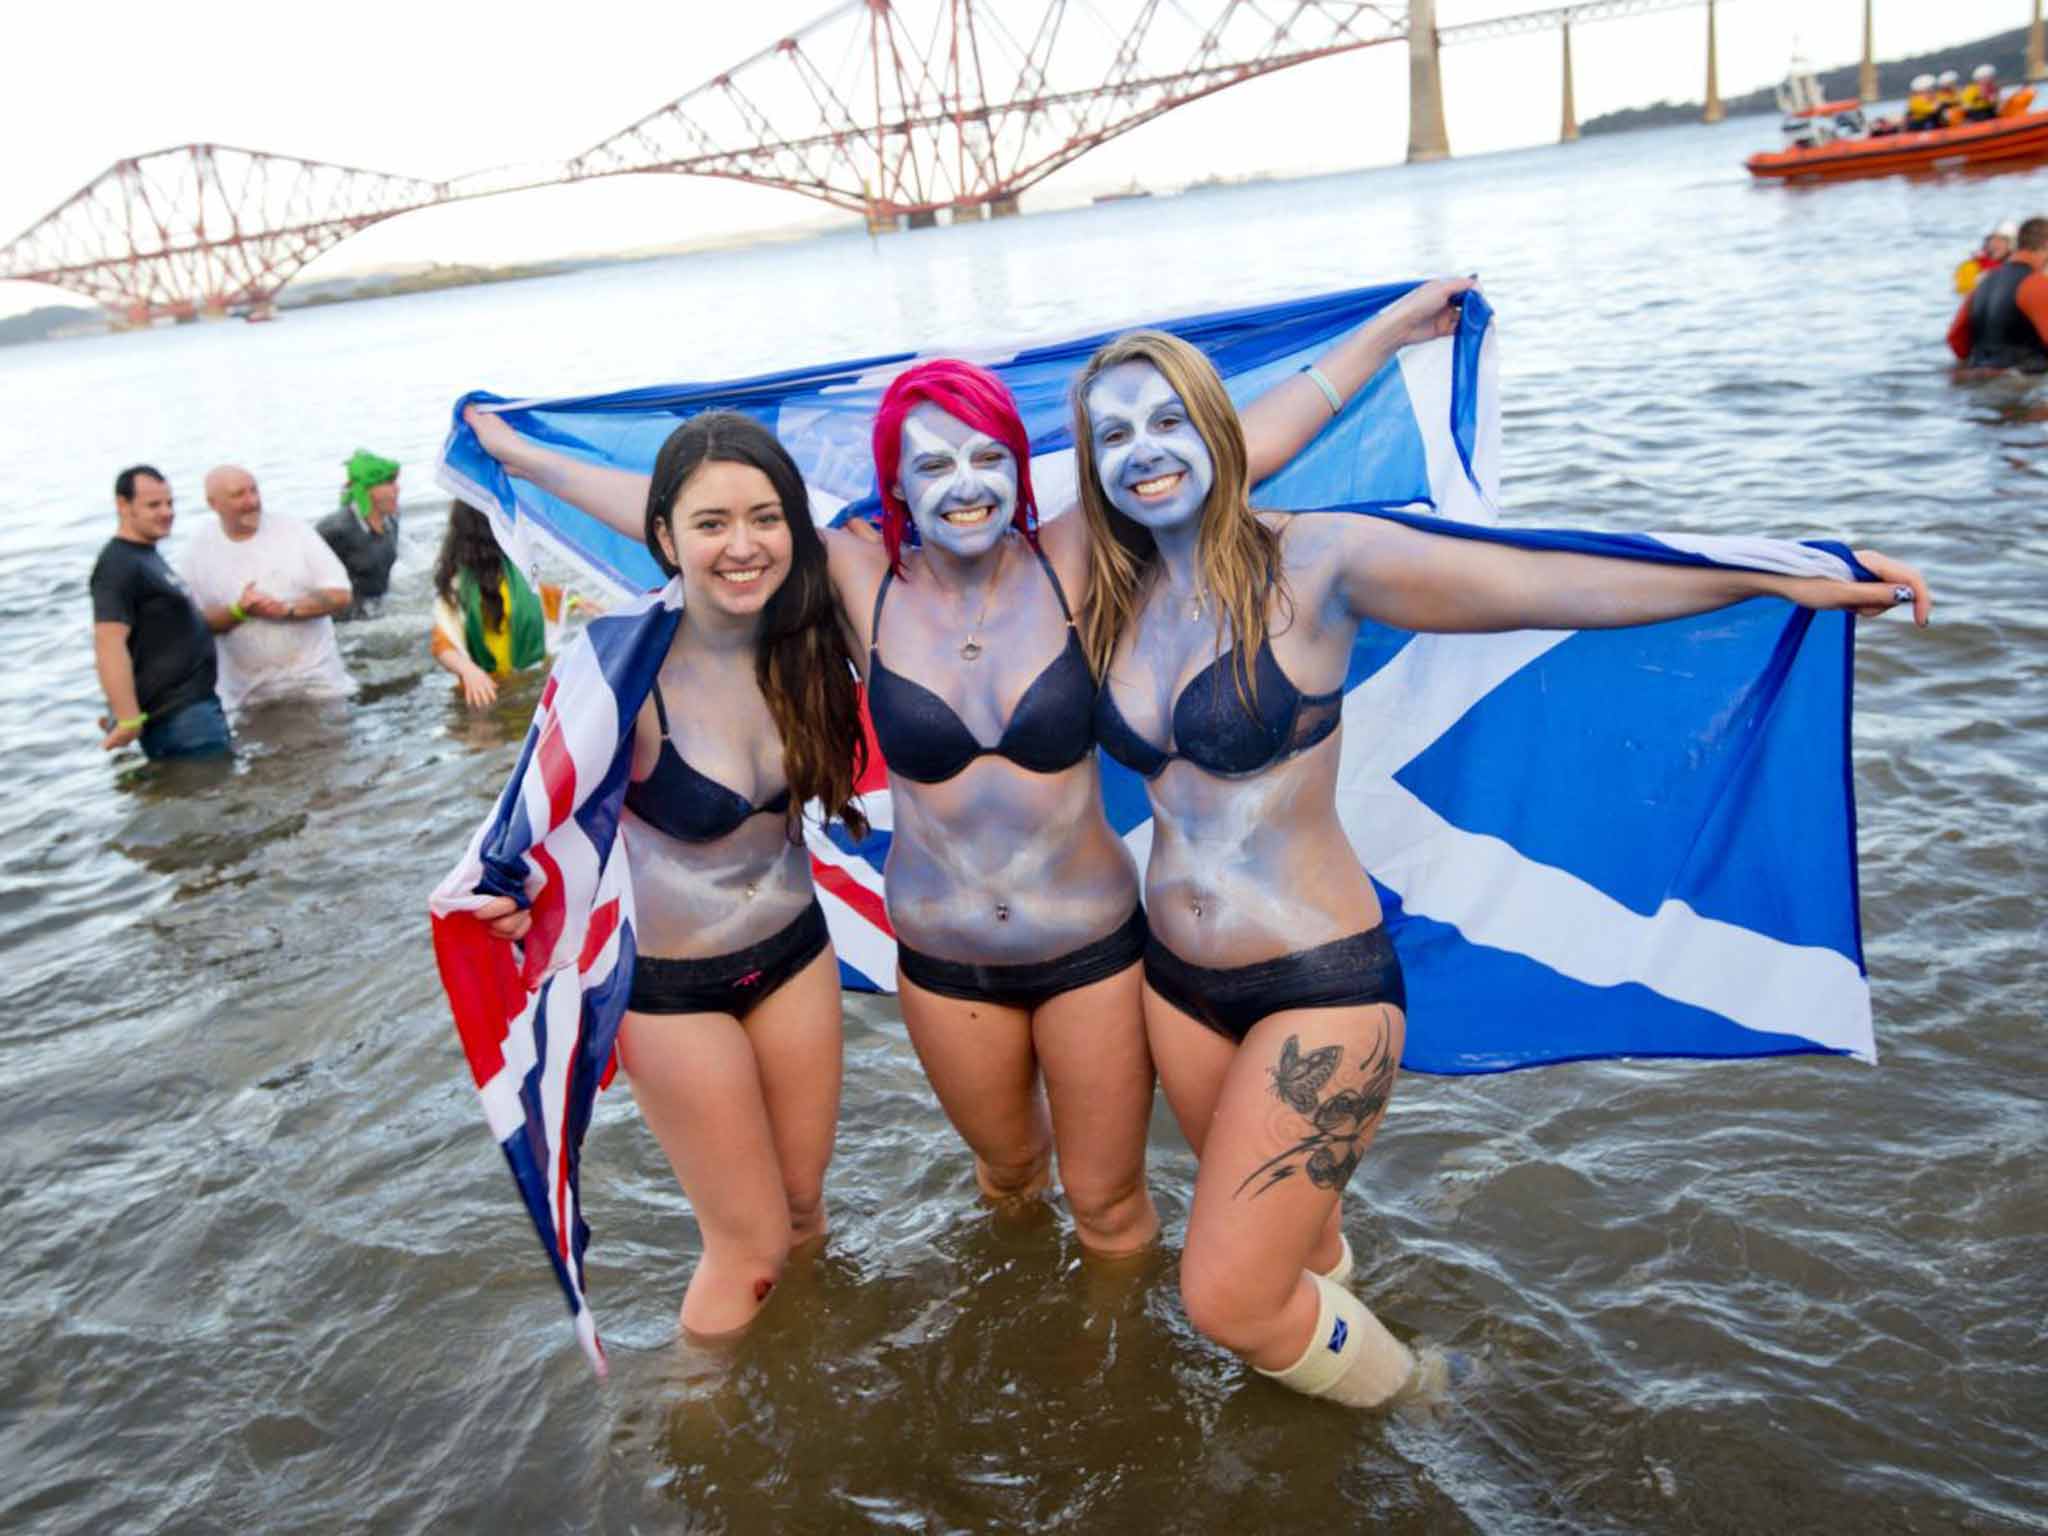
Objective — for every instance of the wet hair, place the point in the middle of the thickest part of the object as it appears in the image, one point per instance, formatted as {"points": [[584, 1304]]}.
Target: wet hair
{"points": [[800, 658], [124, 482], [469, 545], [1238, 555], [2033, 235], [973, 395]]}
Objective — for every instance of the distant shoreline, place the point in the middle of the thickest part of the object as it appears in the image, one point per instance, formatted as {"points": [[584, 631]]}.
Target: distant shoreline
{"points": [[53, 322]]}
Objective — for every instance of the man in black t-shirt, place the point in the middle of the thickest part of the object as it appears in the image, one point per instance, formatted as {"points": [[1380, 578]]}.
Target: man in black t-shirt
{"points": [[151, 645]]}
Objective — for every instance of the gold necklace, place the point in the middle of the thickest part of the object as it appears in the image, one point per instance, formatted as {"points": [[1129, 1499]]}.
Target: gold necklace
{"points": [[971, 647]]}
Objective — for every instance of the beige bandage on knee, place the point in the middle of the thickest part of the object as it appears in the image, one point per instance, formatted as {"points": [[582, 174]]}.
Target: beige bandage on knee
{"points": [[1339, 1273], [1351, 1358]]}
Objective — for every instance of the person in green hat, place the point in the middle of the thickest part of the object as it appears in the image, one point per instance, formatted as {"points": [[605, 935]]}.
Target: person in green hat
{"points": [[363, 531]]}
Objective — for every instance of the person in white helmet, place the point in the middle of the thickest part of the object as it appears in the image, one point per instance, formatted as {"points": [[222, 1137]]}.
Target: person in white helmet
{"points": [[1980, 96], [1948, 94], [1923, 108]]}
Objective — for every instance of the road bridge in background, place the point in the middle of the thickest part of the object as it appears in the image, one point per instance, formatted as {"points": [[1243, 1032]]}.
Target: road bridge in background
{"points": [[904, 111]]}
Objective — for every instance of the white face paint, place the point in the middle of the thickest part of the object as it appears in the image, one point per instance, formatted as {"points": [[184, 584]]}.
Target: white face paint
{"points": [[959, 484], [1153, 465]]}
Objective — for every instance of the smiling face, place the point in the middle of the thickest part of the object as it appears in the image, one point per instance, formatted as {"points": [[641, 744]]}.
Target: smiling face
{"points": [[959, 483], [730, 538], [232, 494], [147, 518], [1153, 465]]}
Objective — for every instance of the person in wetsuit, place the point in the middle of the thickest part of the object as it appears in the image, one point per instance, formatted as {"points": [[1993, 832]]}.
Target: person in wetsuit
{"points": [[2003, 322], [731, 1039], [1274, 1002], [1014, 904]]}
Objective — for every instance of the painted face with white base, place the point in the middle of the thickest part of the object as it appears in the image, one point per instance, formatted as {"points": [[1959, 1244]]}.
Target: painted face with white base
{"points": [[959, 483], [1153, 464]]}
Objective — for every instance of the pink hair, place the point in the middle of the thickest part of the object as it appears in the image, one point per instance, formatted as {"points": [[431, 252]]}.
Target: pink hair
{"points": [[973, 395]]}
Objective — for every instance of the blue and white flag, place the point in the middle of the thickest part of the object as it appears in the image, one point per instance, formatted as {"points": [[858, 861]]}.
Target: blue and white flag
{"points": [[1632, 842]]}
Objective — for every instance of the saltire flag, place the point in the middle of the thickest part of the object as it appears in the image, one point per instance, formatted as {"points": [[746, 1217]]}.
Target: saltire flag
{"points": [[1611, 843]]}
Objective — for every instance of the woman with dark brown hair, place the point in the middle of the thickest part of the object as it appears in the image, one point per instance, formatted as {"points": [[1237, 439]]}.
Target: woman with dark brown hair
{"points": [[1273, 1000], [731, 1038], [488, 619]]}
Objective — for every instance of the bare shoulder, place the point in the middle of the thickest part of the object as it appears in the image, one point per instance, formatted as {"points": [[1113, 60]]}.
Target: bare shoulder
{"points": [[856, 566]]}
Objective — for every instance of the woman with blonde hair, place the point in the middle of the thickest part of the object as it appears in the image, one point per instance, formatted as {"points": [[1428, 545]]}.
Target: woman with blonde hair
{"points": [[1273, 1000]]}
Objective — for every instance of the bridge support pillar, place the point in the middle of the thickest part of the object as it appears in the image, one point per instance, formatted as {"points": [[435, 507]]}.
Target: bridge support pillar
{"points": [[1004, 207], [969, 213], [883, 221], [1427, 139], [1713, 112], [2037, 57], [1866, 83], [921, 218], [1568, 131]]}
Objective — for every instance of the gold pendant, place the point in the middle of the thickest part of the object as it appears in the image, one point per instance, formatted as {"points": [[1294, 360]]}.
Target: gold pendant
{"points": [[970, 649]]}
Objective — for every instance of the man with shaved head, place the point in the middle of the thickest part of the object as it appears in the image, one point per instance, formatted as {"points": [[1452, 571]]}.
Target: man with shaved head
{"points": [[269, 588]]}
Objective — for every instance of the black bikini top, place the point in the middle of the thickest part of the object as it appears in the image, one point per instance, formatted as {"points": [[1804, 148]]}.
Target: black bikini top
{"points": [[687, 805], [924, 740], [1216, 732]]}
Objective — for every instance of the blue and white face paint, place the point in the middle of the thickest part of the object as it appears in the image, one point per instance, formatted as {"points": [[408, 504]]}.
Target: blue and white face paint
{"points": [[1153, 464], [960, 484]]}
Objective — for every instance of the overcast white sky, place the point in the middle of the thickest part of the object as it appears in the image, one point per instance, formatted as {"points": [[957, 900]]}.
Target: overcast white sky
{"points": [[439, 90]]}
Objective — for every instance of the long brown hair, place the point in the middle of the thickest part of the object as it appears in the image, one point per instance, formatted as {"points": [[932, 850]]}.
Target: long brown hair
{"points": [[469, 545], [1237, 556], [800, 660]]}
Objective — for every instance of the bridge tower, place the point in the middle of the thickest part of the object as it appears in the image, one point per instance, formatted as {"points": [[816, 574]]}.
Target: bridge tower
{"points": [[1427, 138], [1713, 112], [1866, 84], [1569, 131]]}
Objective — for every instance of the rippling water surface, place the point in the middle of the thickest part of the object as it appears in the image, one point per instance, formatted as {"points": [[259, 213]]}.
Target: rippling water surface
{"points": [[266, 1271]]}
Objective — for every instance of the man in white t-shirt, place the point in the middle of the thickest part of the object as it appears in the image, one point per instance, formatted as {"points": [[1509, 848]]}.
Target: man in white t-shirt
{"points": [[269, 587]]}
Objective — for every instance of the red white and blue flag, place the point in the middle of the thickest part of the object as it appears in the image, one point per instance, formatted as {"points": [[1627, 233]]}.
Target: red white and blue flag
{"points": [[1610, 843]]}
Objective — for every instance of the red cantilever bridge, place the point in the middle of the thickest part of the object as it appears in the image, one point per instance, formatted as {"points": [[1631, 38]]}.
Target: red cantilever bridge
{"points": [[897, 109]]}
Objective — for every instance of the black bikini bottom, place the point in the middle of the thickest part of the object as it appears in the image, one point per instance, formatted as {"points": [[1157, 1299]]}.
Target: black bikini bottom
{"points": [[1033, 983], [733, 983], [1345, 973]]}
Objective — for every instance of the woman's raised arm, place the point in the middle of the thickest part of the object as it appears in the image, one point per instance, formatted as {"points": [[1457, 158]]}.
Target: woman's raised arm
{"points": [[1445, 584], [1286, 418], [615, 497]]}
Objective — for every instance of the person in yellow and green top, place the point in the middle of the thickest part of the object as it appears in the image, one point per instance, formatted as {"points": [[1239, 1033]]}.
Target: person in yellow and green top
{"points": [[488, 619]]}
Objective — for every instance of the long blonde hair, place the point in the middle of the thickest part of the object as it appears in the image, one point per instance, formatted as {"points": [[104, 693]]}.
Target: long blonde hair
{"points": [[1237, 557]]}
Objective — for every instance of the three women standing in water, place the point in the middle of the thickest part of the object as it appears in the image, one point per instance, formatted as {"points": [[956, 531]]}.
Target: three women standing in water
{"points": [[1210, 651]]}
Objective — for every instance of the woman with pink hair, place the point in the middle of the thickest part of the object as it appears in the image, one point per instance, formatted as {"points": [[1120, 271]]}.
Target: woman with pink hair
{"points": [[1016, 906]]}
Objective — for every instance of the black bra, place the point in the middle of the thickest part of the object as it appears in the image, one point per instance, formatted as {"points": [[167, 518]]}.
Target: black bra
{"points": [[1214, 729], [924, 740], [687, 805]]}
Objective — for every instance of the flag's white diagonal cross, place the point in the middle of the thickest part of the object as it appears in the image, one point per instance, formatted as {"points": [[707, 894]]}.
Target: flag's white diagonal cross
{"points": [[1496, 896]]}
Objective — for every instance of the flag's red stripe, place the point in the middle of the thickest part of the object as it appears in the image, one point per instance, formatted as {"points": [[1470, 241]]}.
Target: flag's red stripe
{"points": [[550, 913], [558, 772], [602, 923], [484, 990], [849, 890], [874, 773]]}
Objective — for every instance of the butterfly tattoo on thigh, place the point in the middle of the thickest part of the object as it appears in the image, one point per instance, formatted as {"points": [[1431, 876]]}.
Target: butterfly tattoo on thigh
{"points": [[1341, 1121]]}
